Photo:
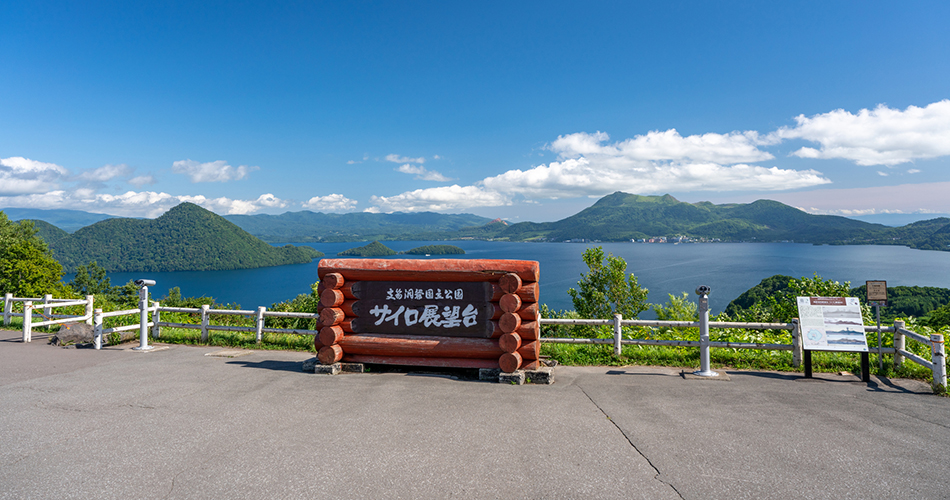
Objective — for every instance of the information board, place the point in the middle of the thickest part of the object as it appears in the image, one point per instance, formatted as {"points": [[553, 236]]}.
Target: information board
{"points": [[832, 324], [877, 292]]}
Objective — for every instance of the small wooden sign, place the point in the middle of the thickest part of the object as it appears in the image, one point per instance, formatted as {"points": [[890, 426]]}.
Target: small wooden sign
{"points": [[877, 291]]}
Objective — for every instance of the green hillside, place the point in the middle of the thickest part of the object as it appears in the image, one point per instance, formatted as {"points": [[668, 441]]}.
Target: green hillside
{"points": [[623, 217], [186, 238], [436, 250], [374, 249], [309, 226]]}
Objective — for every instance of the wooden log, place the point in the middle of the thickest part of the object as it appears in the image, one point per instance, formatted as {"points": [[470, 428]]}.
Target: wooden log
{"points": [[530, 312], [530, 364], [509, 322], [529, 330], [509, 342], [332, 281], [316, 343], [428, 270], [510, 283], [421, 346], [330, 354], [418, 361], [330, 316], [331, 298], [330, 335], [528, 292], [530, 350], [510, 303], [349, 308], [509, 362]]}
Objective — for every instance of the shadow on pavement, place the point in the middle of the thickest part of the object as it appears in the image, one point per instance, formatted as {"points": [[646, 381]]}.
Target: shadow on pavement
{"points": [[276, 365]]}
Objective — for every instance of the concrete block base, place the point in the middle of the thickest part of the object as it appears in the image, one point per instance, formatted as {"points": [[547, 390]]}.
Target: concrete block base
{"points": [[489, 374], [515, 378], [543, 376], [722, 377], [351, 367], [327, 369], [308, 365]]}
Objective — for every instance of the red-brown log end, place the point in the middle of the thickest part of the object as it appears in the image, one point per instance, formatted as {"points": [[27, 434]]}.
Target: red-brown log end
{"points": [[530, 364], [331, 298], [510, 303], [316, 343], [330, 335], [509, 322], [509, 362], [510, 282], [509, 342], [330, 354], [530, 350], [530, 312], [332, 281], [330, 316]]}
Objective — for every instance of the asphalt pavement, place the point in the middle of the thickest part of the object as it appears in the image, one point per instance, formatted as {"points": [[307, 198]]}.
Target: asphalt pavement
{"points": [[180, 423]]}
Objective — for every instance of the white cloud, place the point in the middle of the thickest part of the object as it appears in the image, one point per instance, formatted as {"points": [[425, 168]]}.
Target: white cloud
{"points": [[404, 159], [215, 171], [142, 180], [882, 174], [422, 174], [136, 203], [330, 203], [20, 176], [441, 198], [882, 136], [913, 171], [106, 173], [735, 147]]}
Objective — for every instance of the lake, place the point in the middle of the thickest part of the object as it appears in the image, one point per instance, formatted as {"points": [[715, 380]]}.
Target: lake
{"points": [[728, 268]]}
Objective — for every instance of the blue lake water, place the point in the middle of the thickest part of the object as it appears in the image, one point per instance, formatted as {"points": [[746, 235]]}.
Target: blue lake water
{"points": [[728, 268]]}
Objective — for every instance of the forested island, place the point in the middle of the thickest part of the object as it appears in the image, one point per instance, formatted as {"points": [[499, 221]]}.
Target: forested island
{"points": [[186, 238], [436, 250], [374, 249]]}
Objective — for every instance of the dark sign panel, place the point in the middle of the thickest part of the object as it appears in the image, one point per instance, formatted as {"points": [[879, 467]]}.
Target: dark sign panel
{"points": [[424, 308]]}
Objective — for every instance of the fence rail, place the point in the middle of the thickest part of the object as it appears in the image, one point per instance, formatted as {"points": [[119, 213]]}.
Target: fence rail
{"points": [[937, 363]]}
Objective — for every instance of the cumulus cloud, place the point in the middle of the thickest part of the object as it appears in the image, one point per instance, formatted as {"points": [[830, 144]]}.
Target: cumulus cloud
{"points": [[142, 180], [404, 159], [422, 174], [106, 173], [20, 176], [441, 198], [330, 203], [735, 147], [215, 171], [882, 136], [136, 203], [913, 171]]}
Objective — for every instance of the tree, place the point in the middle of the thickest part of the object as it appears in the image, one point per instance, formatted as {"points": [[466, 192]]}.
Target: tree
{"points": [[606, 289], [27, 266], [91, 280]]}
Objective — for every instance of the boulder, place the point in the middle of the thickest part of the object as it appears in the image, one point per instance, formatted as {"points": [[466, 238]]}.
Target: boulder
{"points": [[72, 333]]}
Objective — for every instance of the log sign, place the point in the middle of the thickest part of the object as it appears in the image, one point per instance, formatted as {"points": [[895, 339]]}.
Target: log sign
{"points": [[441, 312]]}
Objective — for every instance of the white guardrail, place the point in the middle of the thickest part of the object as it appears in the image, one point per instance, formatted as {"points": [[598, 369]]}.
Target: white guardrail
{"points": [[937, 362]]}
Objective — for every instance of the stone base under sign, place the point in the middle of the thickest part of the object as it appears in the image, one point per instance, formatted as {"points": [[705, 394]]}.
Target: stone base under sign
{"points": [[542, 376], [313, 365]]}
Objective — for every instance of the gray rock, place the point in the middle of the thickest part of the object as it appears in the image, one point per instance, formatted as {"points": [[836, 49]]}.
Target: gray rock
{"points": [[351, 367], [309, 364], [514, 378], [543, 376], [72, 333]]}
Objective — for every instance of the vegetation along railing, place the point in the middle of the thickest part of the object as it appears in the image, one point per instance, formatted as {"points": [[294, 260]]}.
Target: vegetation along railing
{"points": [[47, 304], [937, 362]]}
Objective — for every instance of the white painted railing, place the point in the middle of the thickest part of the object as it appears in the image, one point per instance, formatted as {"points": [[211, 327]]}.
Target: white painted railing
{"points": [[47, 304]]}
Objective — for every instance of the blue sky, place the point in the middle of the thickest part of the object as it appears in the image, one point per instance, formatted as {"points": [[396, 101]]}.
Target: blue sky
{"points": [[526, 111]]}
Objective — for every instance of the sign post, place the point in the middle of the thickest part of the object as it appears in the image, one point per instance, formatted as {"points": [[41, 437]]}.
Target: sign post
{"points": [[833, 324], [877, 295]]}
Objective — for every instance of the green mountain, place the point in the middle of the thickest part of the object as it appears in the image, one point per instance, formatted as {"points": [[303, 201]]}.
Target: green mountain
{"points": [[315, 226], [67, 220], [622, 217], [374, 249], [186, 238]]}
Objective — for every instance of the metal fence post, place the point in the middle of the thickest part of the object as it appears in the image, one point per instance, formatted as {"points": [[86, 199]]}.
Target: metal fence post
{"points": [[97, 328], [259, 326], [618, 333], [27, 320], [938, 357], [204, 323], [796, 343], [898, 344], [143, 320], [704, 370], [156, 317], [47, 311], [7, 307], [89, 308]]}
